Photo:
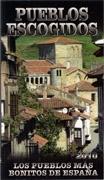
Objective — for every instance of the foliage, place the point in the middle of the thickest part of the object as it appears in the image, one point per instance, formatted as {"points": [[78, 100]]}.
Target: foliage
{"points": [[14, 123], [73, 149], [47, 124], [27, 48], [25, 97], [7, 120], [49, 128]]}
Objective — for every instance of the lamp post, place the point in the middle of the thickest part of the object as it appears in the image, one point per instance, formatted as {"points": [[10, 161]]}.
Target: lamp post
{"points": [[30, 145], [21, 126]]}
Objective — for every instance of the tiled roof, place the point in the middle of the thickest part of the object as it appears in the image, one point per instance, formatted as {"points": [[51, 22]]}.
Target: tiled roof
{"points": [[82, 86], [60, 40], [40, 140], [65, 91], [38, 66], [58, 66], [73, 69], [62, 116], [71, 116], [55, 103], [28, 113], [86, 100], [77, 114], [96, 72]]}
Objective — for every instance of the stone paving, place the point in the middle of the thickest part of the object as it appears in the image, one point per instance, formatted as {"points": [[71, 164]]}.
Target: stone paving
{"points": [[95, 139]]}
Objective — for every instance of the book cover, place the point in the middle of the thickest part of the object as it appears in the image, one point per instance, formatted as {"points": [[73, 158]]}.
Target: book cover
{"points": [[52, 89]]}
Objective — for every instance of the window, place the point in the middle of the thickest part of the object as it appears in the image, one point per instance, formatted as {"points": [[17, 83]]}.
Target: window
{"points": [[41, 80], [93, 96], [12, 69], [27, 79], [13, 105], [45, 80], [36, 80], [77, 133], [58, 72], [32, 80]]}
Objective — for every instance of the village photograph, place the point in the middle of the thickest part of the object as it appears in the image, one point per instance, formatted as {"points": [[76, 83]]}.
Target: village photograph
{"points": [[52, 97], [52, 89]]}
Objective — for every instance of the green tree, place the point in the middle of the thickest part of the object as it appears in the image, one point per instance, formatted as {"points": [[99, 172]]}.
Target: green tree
{"points": [[49, 127], [73, 149], [13, 123], [47, 124], [26, 98]]}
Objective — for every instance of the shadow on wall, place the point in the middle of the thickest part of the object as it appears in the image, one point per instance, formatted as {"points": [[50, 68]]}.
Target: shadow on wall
{"points": [[29, 126], [3, 51]]}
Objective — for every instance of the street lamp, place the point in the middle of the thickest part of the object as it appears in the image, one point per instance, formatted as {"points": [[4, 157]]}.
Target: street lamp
{"points": [[21, 126], [29, 135]]}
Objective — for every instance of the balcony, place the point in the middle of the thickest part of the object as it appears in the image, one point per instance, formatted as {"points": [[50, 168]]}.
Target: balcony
{"points": [[11, 82]]}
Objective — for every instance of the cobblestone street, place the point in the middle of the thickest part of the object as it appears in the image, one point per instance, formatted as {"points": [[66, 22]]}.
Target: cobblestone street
{"points": [[95, 138]]}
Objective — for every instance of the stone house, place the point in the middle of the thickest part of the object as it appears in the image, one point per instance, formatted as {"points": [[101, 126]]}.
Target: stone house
{"points": [[86, 89], [44, 73], [38, 73], [75, 124], [65, 58], [27, 144], [98, 74], [9, 89], [62, 76], [62, 50]]}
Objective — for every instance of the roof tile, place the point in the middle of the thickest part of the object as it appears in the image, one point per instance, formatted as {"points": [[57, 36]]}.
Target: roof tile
{"points": [[77, 114], [28, 113], [40, 140], [62, 116], [82, 86], [55, 103], [74, 69], [38, 66], [60, 40], [99, 71]]}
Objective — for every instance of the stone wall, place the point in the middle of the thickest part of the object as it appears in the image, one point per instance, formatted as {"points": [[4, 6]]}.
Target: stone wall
{"points": [[69, 53], [94, 106]]}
